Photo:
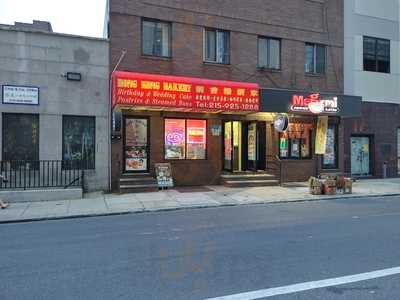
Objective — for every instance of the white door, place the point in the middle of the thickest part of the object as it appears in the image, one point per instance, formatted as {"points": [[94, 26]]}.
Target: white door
{"points": [[360, 156]]}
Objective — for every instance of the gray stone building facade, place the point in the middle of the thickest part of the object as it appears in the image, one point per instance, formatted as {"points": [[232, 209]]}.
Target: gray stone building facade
{"points": [[70, 120]]}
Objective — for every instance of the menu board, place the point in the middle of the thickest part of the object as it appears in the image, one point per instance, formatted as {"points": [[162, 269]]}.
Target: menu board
{"points": [[164, 175]]}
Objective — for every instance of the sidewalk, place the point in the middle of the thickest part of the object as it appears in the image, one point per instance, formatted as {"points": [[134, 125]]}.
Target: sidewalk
{"points": [[183, 198]]}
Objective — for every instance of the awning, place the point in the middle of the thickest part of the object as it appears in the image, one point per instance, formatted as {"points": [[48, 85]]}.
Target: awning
{"points": [[311, 103], [183, 93]]}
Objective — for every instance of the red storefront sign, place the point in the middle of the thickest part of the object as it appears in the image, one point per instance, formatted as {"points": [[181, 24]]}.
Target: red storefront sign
{"points": [[149, 90], [314, 103]]}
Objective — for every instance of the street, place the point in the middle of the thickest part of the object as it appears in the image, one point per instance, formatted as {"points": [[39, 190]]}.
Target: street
{"points": [[206, 253]]}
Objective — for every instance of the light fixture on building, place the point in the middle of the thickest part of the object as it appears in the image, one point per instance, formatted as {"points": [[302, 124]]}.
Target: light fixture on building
{"points": [[73, 76]]}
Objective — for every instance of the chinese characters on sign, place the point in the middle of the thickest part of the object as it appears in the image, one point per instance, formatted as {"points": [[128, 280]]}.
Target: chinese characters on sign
{"points": [[314, 103], [181, 92], [20, 95]]}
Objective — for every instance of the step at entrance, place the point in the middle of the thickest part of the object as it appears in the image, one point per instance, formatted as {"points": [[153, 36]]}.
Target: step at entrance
{"points": [[249, 179], [137, 183]]}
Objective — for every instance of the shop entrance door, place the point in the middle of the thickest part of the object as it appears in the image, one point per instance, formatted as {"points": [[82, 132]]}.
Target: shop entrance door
{"points": [[360, 155], [244, 146], [233, 146], [136, 147], [256, 143]]}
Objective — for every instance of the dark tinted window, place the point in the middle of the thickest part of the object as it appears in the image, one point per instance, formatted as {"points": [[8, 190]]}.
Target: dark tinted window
{"points": [[376, 55], [79, 140], [20, 137]]}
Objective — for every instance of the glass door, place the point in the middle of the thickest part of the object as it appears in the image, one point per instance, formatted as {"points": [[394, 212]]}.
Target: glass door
{"points": [[237, 145], [228, 146], [252, 148], [233, 146], [136, 150]]}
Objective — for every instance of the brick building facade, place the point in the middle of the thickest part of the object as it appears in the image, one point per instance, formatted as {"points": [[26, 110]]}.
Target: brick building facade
{"points": [[306, 31]]}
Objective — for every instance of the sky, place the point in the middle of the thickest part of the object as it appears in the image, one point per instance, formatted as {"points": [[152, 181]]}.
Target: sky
{"points": [[81, 17]]}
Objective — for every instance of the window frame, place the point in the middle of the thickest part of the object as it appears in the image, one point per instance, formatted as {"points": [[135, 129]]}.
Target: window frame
{"points": [[205, 60], [63, 143], [314, 71], [185, 159], [336, 149], [143, 19], [376, 40], [398, 150], [268, 67], [290, 157], [37, 116]]}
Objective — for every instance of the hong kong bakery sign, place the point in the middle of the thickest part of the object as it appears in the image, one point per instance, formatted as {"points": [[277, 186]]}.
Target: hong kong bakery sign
{"points": [[314, 103], [192, 94]]}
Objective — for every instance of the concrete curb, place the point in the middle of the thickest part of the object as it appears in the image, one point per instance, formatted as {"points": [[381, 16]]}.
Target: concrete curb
{"points": [[77, 216]]}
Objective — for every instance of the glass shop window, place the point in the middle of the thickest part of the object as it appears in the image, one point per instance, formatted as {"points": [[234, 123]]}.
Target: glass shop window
{"points": [[185, 139], [295, 143]]}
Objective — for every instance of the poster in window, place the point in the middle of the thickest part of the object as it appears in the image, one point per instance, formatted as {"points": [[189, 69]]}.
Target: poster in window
{"points": [[251, 141], [196, 139], [135, 144], [329, 158], [295, 148], [174, 138], [284, 147], [228, 141]]}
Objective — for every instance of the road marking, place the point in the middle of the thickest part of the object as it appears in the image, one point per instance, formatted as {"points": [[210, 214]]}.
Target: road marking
{"points": [[311, 285]]}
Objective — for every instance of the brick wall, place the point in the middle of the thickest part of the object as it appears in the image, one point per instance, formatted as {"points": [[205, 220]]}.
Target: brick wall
{"points": [[379, 121], [294, 21]]}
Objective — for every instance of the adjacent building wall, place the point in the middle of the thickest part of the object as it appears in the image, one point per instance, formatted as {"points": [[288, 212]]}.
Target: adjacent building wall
{"points": [[41, 59], [380, 91]]}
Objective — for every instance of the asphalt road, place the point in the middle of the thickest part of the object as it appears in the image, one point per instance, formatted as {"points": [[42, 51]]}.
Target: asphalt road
{"points": [[205, 253]]}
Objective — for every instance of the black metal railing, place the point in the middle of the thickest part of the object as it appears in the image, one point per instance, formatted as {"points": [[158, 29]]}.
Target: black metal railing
{"points": [[29, 174], [274, 165]]}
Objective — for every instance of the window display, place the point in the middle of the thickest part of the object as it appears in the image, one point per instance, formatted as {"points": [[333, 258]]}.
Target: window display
{"points": [[175, 139], [136, 144], [185, 139], [196, 139], [295, 143]]}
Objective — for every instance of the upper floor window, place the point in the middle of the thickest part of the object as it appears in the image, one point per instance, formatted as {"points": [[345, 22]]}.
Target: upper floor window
{"points": [[376, 55], [315, 58], [156, 38], [216, 46], [269, 53]]}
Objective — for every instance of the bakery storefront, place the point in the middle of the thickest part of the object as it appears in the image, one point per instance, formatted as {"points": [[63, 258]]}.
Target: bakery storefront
{"points": [[297, 143], [197, 125]]}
